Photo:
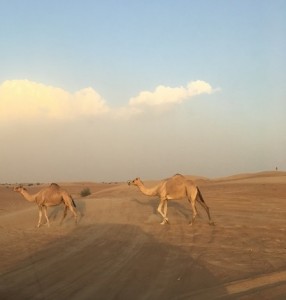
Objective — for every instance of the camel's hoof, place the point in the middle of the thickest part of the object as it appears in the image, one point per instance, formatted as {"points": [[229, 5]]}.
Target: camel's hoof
{"points": [[212, 223], [192, 222], [165, 222]]}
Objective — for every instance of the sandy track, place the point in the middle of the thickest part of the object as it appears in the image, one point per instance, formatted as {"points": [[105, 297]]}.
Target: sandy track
{"points": [[248, 288]]}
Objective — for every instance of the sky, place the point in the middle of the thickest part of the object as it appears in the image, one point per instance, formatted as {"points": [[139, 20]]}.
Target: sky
{"points": [[116, 89]]}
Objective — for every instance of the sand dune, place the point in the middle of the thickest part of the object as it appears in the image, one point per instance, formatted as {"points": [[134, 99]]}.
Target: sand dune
{"points": [[120, 251]]}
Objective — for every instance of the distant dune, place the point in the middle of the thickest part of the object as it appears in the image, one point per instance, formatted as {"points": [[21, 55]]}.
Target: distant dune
{"points": [[261, 176]]}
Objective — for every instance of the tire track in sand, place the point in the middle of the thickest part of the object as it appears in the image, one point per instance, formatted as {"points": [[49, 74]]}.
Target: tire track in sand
{"points": [[239, 286]]}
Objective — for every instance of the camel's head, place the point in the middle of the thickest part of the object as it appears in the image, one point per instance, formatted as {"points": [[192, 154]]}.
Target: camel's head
{"points": [[19, 189], [136, 181]]}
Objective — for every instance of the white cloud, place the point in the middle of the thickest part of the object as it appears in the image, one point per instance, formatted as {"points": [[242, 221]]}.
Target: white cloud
{"points": [[28, 100], [23, 99], [89, 102], [164, 95]]}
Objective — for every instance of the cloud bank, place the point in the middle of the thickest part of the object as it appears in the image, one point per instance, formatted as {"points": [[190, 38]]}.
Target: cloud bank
{"points": [[24, 99]]}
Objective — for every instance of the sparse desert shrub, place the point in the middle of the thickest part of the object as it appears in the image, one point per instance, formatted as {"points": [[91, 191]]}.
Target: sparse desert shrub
{"points": [[85, 192]]}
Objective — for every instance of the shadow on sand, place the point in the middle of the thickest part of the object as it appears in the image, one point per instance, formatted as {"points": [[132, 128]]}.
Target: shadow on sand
{"points": [[56, 212], [179, 207], [106, 261]]}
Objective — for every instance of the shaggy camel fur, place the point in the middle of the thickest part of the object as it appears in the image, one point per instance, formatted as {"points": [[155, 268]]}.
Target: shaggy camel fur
{"points": [[176, 187], [49, 196]]}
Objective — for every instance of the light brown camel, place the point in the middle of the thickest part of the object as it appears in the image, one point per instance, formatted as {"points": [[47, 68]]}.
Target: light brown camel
{"points": [[50, 196], [176, 187]]}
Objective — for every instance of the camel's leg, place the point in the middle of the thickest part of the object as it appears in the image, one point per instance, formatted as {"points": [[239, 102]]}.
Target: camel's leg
{"points": [[159, 209], [69, 203], [40, 216], [193, 204], [192, 194], [162, 209], [194, 212], [204, 205], [64, 215], [46, 215], [198, 213], [165, 209], [72, 209]]}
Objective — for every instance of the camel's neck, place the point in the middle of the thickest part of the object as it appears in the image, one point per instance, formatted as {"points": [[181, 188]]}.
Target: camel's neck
{"points": [[28, 197], [148, 191]]}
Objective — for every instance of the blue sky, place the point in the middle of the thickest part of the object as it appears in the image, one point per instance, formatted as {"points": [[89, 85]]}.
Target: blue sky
{"points": [[95, 56]]}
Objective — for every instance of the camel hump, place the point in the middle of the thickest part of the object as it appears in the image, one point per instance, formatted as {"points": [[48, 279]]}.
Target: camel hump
{"points": [[178, 176], [54, 185]]}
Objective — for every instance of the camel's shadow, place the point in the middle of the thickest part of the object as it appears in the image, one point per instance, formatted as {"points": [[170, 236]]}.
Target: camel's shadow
{"points": [[173, 207], [56, 212]]}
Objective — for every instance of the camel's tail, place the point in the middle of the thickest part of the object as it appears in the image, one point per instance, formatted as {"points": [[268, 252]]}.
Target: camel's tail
{"points": [[204, 205], [200, 195], [73, 201]]}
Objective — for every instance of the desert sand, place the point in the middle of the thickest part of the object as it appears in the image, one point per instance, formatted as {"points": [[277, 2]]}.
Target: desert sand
{"points": [[118, 249]]}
